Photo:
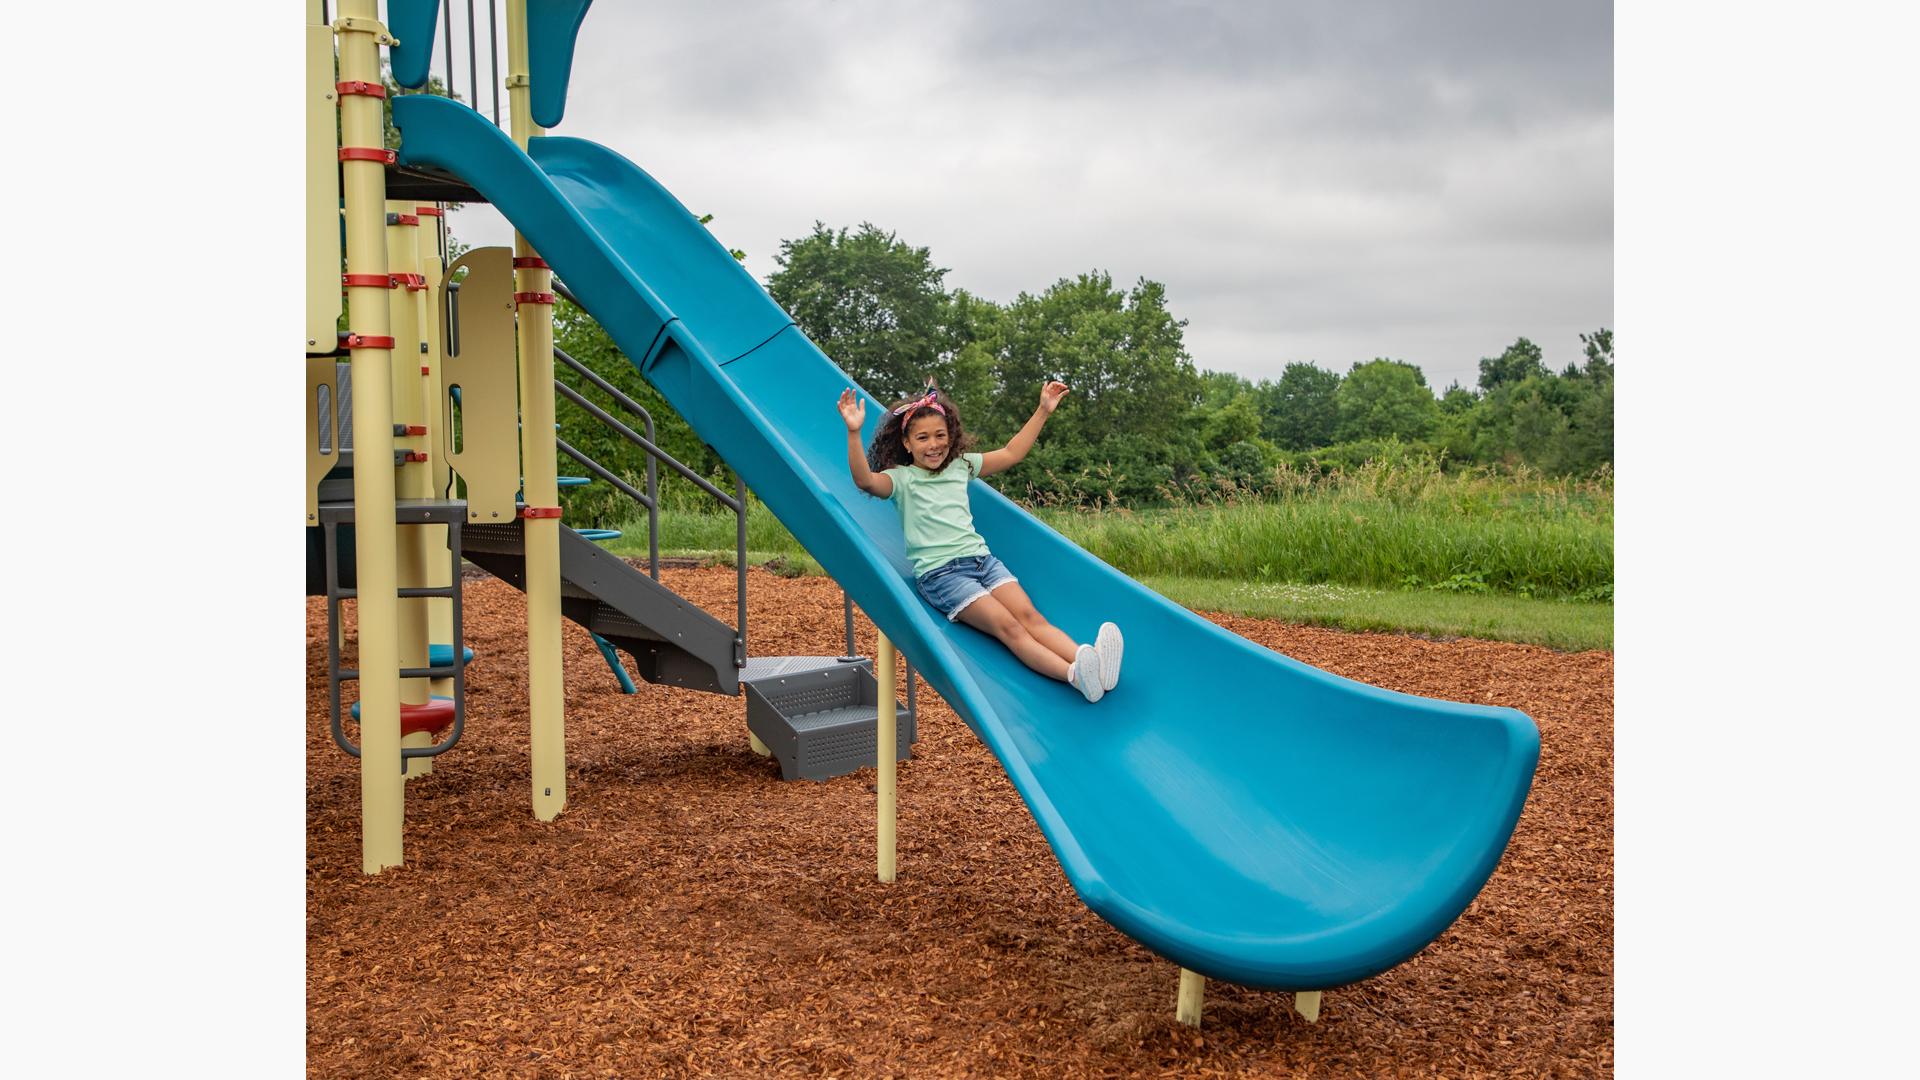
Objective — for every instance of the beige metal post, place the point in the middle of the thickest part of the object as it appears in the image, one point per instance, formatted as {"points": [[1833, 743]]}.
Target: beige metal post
{"points": [[887, 742], [546, 687], [382, 791], [1193, 990], [1307, 1004]]}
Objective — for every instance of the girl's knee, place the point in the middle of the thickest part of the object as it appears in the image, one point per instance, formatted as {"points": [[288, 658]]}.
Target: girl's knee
{"points": [[1010, 630]]}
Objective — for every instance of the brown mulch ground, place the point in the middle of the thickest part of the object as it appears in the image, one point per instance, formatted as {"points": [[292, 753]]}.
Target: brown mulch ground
{"points": [[692, 915]]}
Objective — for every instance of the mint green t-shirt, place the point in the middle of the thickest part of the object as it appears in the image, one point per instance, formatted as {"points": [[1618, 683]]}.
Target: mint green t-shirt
{"points": [[934, 512]]}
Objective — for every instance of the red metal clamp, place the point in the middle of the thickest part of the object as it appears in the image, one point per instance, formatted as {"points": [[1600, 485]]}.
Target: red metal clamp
{"points": [[529, 262], [367, 153], [368, 281], [362, 89], [365, 341], [416, 429], [540, 512], [429, 211], [532, 298], [416, 455], [402, 219], [424, 369], [413, 282]]}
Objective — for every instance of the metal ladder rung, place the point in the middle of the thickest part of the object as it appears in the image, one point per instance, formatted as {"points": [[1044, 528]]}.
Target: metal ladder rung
{"points": [[445, 671], [404, 594]]}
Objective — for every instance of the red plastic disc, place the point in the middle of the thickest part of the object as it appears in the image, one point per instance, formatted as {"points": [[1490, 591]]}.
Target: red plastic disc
{"points": [[431, 717]]}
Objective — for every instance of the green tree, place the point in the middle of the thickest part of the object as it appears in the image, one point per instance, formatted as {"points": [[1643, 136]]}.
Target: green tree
{"points": [[1459, 408], [1236, 422], [1302, 410], [1540, 426], [1134, 386], [1386, 399], [1521, 361], [872, 302], [1219, 388]]}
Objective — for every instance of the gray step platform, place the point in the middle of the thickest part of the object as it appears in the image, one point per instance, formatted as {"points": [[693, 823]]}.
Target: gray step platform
{"points": [[819, 714]]}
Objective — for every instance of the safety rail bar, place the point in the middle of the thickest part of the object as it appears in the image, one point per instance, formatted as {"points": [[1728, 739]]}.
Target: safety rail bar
{"points": [[737, 502], [646, 419]]}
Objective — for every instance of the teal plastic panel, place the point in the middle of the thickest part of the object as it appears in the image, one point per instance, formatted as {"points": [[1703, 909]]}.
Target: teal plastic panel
{"points": [[414, 23], [1242, 814], [552, 28]]}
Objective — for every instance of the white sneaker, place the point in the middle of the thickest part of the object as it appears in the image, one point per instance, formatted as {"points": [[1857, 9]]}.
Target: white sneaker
{"points": [[1110, 647], [1084, 673]]}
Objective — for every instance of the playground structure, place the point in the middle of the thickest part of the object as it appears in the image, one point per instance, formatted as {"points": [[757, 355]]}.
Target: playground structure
{"points": [[1269, 823]]}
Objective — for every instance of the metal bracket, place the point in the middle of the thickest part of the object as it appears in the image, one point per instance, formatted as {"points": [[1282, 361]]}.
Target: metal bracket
{"points": [[355, 24], [514, 82]]}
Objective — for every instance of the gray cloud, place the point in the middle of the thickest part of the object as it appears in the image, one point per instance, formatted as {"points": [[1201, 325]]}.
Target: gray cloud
{"points": [[1312, 181]]}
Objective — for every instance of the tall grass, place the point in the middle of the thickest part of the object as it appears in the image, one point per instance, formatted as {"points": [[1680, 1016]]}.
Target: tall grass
{"points": [[1408, 525], [1397, 525]]}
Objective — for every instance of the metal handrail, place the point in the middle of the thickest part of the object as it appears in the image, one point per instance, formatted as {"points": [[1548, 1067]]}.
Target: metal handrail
{"points": [[606, 474], [646, 444], [650, 499]]}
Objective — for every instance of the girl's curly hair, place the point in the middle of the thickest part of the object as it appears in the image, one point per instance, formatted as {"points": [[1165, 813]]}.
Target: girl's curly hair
{"points": [[889, 443]]}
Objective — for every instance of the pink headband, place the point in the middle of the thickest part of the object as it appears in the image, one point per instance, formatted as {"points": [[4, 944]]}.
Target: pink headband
{"points": [[924, 403]]}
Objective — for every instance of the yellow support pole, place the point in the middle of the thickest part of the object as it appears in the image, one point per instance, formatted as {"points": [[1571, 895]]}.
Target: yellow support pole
{"points": [[1193, 991], [382, 789], [887, 743], [546, 686], [412, 479], [1307, 1004]]}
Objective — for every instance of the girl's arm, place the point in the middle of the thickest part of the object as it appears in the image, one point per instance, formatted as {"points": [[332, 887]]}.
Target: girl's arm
{"points": [[1015, 451], [853, 410]]}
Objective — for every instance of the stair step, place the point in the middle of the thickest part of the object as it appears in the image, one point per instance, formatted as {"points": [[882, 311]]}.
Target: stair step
{"points": [[821, 717]]}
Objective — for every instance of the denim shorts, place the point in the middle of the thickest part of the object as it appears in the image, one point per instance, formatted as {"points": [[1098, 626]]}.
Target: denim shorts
{"points": [[951, 586]]}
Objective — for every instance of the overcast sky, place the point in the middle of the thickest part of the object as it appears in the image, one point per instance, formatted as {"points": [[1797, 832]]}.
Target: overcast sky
{"points": [[1317, 181]]}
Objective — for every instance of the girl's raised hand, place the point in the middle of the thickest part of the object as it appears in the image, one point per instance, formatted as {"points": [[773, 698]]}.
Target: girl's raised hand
{"points": [[1051, 394], [853, 409]]}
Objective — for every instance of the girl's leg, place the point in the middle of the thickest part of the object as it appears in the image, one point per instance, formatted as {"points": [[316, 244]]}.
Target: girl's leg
{"points": [[990, 616], [1015, 600]]}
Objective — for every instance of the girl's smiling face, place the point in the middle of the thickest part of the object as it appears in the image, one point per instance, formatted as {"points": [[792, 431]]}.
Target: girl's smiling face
{"points": [[926, 441]]}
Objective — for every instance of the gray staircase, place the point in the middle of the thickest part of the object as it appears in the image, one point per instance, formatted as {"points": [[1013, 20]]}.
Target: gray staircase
{"points": [[819, 715], [671, 641]]}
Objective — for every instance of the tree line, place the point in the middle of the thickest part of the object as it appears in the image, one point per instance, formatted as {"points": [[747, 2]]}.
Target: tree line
{"points": [[1145, 423]]}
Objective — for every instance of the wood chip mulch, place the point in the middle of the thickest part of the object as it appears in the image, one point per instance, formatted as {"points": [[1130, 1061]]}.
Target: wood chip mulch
{"points": [[690, 914]]}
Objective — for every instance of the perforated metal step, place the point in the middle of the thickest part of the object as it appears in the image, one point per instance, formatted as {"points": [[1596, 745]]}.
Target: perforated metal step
{"points": [[819, 715]]}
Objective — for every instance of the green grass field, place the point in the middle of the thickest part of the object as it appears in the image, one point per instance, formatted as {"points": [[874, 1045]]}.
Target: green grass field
{"points": [[1398, 548], [1569, 625]]}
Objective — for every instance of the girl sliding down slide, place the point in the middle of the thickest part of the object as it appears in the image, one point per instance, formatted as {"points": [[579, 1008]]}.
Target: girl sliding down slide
{"points": [[919, 460]]}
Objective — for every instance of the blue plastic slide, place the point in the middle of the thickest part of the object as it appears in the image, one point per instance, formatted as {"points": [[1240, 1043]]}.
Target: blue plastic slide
{"points": [[1245, 815]]}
